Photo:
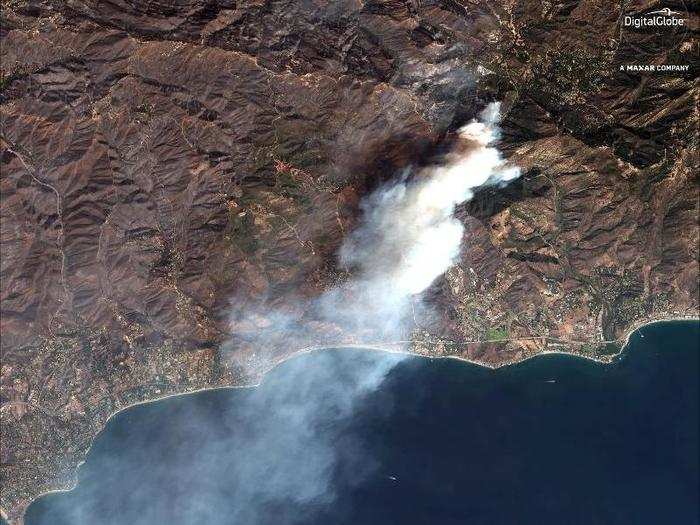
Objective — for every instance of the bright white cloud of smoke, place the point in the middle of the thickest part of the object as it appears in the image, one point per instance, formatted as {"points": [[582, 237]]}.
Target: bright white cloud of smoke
{"points": [[409, 236]]}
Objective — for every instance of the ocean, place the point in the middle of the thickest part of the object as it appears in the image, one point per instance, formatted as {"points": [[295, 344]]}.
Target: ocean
{"points": [[365, 437]]}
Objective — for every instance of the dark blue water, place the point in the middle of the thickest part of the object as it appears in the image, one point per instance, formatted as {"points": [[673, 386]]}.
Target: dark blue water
{"points": [[325, 440]]}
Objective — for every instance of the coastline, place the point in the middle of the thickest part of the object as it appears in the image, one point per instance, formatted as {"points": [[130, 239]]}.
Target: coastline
{"points": [[370, 347]]}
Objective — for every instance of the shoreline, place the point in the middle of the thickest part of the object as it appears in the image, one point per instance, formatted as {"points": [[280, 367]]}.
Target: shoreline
{"points": [[370, 347]]}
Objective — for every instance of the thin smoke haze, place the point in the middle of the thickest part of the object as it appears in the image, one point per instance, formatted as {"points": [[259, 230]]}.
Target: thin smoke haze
{"points": [[407, 238]]}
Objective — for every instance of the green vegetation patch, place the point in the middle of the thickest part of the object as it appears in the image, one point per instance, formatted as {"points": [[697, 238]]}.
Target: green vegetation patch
{"points": [[496, 333], [610, 348], [242, 229]]}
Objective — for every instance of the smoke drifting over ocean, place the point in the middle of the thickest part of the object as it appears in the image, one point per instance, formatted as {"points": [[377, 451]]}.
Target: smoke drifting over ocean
{"points": [[268, 455], [285, 444], [407, 238]]}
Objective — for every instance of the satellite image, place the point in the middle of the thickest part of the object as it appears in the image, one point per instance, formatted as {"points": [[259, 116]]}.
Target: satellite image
{"points": [[411, 262]]}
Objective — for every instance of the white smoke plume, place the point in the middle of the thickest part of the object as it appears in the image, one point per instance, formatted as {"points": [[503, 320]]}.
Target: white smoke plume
{"points": [[408, 237]]}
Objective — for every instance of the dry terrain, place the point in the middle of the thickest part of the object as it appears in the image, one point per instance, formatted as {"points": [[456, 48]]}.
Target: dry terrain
{"points": [[166, 164]]}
